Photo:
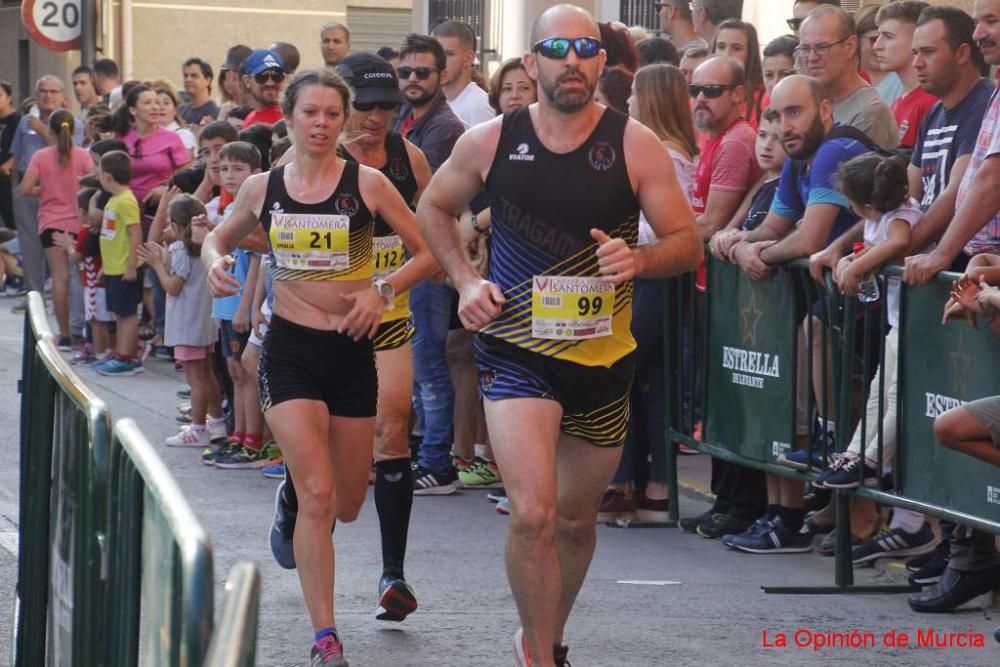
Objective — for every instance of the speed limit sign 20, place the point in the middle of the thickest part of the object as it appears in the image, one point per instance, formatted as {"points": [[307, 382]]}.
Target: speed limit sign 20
{"points": [[55, 24]]}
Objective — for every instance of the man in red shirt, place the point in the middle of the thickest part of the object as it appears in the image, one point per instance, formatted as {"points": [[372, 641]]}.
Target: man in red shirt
{"points": [[894, 51], [264, 77]]}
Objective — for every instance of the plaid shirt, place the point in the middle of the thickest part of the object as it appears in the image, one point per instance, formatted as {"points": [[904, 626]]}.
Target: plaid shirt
{"points": [[986, 239]]}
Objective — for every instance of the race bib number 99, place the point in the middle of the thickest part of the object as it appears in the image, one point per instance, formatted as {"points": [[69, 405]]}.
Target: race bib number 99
{"points": [[571, 308], [307, 242]]}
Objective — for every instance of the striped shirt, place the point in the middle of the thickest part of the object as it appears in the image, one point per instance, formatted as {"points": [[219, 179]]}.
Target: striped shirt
{"points": [[986, 239]]}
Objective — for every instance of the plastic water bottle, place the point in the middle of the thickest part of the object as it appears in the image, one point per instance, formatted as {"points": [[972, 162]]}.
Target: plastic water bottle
{"points": [[868, 287]]}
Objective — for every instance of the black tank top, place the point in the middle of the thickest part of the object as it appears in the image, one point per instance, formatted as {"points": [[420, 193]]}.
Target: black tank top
{"points": [[328, 241], [543, 206], [397, 169]]}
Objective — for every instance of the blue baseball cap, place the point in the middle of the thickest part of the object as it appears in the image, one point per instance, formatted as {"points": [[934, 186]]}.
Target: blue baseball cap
{"points": [[262, 60]]}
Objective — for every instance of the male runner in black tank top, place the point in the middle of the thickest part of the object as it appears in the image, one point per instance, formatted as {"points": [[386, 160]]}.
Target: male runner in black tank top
{"points": [[566, 178]]}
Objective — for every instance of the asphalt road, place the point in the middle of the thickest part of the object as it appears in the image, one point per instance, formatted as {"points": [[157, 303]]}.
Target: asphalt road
{"points": [[653, 597]]}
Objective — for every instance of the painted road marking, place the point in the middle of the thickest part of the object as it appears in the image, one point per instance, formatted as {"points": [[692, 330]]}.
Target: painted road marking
{"points": [[644, 582]]}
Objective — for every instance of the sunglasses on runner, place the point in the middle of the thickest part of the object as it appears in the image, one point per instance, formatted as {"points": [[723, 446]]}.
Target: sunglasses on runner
{"points": [[423, 73], [558, 48], [712, 91], [274, 75], [368, 106]]}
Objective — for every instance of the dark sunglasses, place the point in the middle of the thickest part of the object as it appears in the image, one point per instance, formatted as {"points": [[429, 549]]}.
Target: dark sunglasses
{"points": [[423, 73], [794, 24], [558, 48], [273, 75], [368, 106], [712, 91]]}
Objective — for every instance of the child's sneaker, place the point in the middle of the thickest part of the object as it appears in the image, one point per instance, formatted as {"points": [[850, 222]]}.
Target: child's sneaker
{"points": [[243, 458], [65, 344], [482, 474], [274, 471], [189, 437], [852, 472], [118, 366], [84, 355]]}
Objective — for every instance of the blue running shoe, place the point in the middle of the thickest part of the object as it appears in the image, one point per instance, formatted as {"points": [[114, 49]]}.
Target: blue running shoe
{"points": [[851, 473], [760, 525], [895, 543], [282, 530], [274, 471], [776, 539], [799, 459], [115, 367]]}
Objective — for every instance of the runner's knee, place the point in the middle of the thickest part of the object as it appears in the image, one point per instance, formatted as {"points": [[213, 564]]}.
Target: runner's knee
{"points": [[533, 521]]}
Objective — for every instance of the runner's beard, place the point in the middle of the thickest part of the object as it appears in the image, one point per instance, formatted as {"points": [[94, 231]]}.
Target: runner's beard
{"points": [[567, 101]]}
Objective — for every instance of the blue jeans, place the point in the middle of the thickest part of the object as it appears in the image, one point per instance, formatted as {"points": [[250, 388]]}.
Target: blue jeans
{"points": [[648, 420], [434, 396]]}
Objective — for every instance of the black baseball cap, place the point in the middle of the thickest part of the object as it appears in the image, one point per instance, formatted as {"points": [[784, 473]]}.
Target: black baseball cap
{"points": [[372, 78]]}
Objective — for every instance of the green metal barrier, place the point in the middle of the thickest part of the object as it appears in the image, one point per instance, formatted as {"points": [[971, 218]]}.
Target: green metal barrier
{"points": [[160, 587], [941, 367], [234, 642], [63, 512]]}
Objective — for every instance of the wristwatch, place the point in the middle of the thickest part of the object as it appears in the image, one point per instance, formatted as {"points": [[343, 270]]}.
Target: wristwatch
{"points": [[385, 290]]}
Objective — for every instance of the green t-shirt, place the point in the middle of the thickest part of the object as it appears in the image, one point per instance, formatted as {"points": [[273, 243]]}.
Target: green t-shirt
{"points": [[121, 212]]}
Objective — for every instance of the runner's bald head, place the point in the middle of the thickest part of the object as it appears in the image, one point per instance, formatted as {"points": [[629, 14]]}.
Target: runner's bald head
{"points": [[563, 18]]}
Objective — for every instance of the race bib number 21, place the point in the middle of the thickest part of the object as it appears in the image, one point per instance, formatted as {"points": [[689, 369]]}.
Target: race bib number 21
{"points": [[307, 242], [571, 308]]}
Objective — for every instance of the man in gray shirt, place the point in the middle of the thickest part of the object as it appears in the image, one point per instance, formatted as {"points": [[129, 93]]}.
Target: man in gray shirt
{"points": [[828, 52]]}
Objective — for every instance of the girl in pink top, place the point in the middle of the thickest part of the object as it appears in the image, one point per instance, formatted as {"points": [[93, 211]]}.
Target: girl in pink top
{"points": [[53, 175]]}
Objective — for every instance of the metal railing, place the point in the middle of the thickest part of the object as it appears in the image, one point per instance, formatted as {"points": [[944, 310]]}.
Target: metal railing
{"points": [[112, 560], [235, 639]]}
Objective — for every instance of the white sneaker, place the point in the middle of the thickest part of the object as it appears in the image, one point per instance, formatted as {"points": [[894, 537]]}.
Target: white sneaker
{"points": [[190, 437], [217, 428]]}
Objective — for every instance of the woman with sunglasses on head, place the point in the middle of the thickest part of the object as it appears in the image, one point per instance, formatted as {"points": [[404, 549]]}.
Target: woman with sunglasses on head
{"points": [[318, 380], [369, 141], [738, 39]]}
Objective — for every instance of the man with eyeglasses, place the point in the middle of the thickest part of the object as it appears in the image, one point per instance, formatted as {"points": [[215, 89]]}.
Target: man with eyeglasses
{"points": [[675, 22], [567, 179], [32, 135], [264, 78], [828, 52], [429, 123]]}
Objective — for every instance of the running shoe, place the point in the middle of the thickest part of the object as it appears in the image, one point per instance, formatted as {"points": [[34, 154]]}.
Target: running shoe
{"points": [[561, 654], [460, 464], [763, 524], [184, 393], [776, 539], [481, 474], [105, 358], [496, 496], [722, 524], [932, 569], [396, 599], [244, 458], [213, 451], [615, 505], [522, 658], [852, 471], [119, 367], [917, 563], [282, 530], [184, 408], [895, 543], [689, 524], [327, 652], [828, 545], [84, 355], [274, 471], [503, 506], [430, 483], [163, 352], [189, 437], [800, 460]]}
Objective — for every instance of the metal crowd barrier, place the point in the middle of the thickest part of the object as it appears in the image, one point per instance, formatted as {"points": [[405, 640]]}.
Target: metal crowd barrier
{"points": [[113, 566], [737, 367]]}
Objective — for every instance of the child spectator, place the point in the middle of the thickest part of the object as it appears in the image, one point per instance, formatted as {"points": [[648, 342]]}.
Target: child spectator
{"points": [[189, 326], [876, 186], [53, 175], [121, 234], [239, 160]]}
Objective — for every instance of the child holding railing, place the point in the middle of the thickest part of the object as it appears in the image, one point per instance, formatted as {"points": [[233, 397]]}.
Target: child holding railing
{"points": [[876, 186]]}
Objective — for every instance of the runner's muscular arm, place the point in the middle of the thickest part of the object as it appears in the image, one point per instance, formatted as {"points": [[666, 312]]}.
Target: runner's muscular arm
{"points": [[241, 222], [384, 200], [447, 196], [678, 248]]}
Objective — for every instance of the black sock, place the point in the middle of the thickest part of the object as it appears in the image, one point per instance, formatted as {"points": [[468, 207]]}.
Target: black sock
{"points": [[771, 511], [393, 500], [291, 498], [792, 517]]}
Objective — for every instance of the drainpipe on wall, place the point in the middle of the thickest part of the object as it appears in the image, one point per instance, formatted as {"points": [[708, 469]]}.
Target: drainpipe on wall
{"points": [[127, 53]]}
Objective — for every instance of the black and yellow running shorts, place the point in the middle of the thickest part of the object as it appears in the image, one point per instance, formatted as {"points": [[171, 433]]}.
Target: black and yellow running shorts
{"points": [[595, 399], [393, 334]]}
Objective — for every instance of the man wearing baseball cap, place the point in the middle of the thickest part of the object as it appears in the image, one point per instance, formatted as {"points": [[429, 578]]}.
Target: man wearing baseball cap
{"points": [[264, 76]]}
